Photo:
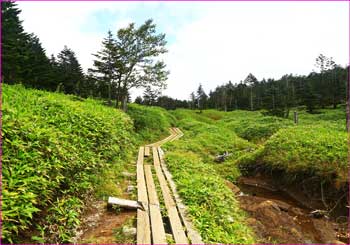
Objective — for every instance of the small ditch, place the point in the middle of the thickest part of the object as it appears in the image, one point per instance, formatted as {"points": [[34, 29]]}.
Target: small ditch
{"points": [[282, 215]]}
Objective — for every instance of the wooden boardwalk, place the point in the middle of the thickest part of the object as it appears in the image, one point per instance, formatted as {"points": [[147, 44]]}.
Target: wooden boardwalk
{"points": [[151, 228]]}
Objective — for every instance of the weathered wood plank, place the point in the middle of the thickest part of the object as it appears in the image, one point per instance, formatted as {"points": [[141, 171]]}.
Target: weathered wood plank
{"points": [[175, 222], [124, 203], [192, 233], [175, 133], [143, 227], [147, 151], [143, 224], [179, 133], [140, 155], [157, 226]]}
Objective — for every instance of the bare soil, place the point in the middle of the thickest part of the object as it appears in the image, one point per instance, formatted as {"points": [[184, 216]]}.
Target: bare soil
{"points": [[99, 225], [284, 216]]}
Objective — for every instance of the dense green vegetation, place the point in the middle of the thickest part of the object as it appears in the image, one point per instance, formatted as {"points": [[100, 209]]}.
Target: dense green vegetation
{"points": [[190, 160], [150, 123], [254, 126], [317, 146], [54, 146], [58, 149]]}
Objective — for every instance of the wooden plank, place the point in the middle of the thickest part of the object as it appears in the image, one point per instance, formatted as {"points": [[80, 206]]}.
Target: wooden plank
{"points": [[157, 226], [140, 155], [143, 227], [176, 134], [179, 133], [175, 222], [172, 135], [147, 151], [192, 233], [161, 142], [143, 224], [124, 203]]}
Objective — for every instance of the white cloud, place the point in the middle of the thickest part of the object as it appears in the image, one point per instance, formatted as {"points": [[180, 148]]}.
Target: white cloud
{"points": [[224, 41]]}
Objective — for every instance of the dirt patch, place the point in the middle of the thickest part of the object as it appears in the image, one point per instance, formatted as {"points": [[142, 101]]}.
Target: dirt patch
{"points": [[278, 216], [100, 226]]}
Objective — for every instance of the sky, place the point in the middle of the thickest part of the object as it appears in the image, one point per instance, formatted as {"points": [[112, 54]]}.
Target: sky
{"points": [[208, 42]]}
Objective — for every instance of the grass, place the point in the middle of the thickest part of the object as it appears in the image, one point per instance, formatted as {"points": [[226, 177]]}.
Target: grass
{"points": [[316, 146], [150, 123], [58, 149], [213, 208], [254, 126], [54, 149]]}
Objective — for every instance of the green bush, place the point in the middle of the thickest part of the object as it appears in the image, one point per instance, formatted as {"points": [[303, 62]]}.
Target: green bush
{"points": [[151, 123], [312, 149], [201, 181], [211, 203], [253, 126], [53, 149]]}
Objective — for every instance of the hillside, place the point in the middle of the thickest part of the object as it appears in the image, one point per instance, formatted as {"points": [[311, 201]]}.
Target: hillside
{"points": [[57, 151], [304, 165], [61, 152]]}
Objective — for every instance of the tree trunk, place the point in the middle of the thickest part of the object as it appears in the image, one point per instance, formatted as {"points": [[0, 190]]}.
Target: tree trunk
{"points": [[251, 99], [125, 102], [117, 101], [287, 113], [348, 105], [109, 94]]}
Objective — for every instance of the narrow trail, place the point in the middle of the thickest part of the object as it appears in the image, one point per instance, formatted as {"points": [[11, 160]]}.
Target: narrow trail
{"points": [[153, 223], [163, 218]]}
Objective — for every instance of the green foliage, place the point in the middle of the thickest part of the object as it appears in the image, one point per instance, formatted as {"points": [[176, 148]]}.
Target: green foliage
{"points": [[211, 204], [317, 145], [201, 182], [151, 123], [71, 74], [254, 126], [53, 147], [23, 58], [194, 115], [129, 60], [313, 149]]}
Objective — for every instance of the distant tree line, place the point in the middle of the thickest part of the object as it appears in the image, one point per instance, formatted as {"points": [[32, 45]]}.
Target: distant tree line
{"points": [[315, 90], [129, 60], [126, 60]]}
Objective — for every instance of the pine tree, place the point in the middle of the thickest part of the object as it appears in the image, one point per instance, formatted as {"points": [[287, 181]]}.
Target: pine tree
{"points": [[72, 75], [250, 81], [137, 66], [36, 71], [13, 43], [105, 67], [201, 98], [192, 101], [150, 96]]}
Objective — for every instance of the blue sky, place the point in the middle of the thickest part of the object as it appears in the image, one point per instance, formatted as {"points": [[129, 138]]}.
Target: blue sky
{"points": [[208, 42], [101, 21]]}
